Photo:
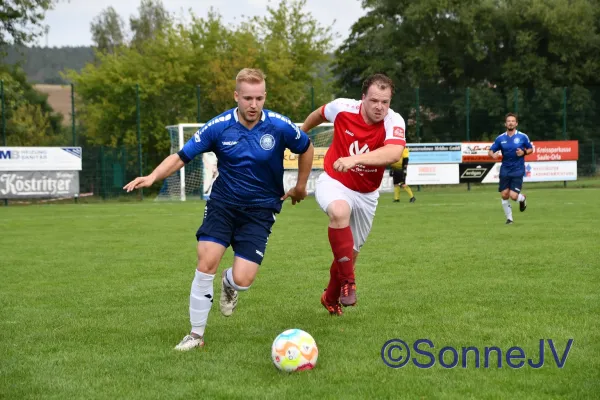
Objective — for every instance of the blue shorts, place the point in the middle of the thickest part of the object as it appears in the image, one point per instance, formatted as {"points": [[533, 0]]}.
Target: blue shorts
{"points": [[246, 229], [514, 183]]}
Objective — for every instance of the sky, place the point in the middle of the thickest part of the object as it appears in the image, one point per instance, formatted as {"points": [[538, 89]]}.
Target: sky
{"points": [[69, 22]]}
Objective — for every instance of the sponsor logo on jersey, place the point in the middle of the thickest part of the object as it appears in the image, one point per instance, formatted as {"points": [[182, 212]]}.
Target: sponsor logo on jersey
{"points": [[349, 133], [230, 143], [356, 149], [399, 132], [197, 137], [267, 142]]}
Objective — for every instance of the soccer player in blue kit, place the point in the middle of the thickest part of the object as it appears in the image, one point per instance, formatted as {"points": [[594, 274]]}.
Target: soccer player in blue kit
{"points": [[249, 143], [514, 146]]}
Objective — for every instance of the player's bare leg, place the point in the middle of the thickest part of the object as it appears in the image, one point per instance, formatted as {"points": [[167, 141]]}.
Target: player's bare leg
{"points": [[342, 246], [201, 293], [238, 278]]}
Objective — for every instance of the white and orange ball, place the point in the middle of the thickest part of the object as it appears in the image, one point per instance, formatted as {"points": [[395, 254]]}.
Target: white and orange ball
{"points": [[294, 350]]}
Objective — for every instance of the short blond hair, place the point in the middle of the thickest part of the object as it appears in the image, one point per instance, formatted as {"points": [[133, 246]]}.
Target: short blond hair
{"points": [[249, 75]]}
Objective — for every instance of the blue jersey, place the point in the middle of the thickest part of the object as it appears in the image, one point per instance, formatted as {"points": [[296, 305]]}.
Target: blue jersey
{"points": [[250, 162], [512, 164]]}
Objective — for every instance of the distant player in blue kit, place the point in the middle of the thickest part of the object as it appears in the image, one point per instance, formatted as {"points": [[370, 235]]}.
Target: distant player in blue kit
{"points": [[514, 146], [249, 143]]}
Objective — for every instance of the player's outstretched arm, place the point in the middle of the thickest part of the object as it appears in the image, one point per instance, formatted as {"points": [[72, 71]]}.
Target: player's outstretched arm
{"points": [[169, 165], [314, 119]]}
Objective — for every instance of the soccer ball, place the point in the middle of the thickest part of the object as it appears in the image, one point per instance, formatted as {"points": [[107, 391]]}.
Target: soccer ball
{"points": [[294, 350]]}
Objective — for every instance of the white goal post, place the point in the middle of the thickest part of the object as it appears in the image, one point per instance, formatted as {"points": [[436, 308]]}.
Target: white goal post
{"points": [[189, 181]]}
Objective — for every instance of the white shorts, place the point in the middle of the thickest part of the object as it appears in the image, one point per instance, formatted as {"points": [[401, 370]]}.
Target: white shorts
{"points": [[363, 205]]}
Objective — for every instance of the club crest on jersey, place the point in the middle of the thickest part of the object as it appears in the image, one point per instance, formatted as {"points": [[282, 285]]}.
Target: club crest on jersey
{"points": [[399, 132], [356, 149], [517, 140], [267, 142]]}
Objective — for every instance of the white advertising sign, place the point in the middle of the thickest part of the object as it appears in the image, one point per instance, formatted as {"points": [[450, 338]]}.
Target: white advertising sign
{"points": [[40, 158], [432, 174], [550, 171], [540, 171]]}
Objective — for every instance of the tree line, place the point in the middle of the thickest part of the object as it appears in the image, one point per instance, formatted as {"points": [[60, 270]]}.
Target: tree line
{"points": [[471, 60]]}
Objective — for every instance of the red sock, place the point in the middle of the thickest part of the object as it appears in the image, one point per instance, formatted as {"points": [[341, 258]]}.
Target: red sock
{"points": [[332, 293], [342, 246]]}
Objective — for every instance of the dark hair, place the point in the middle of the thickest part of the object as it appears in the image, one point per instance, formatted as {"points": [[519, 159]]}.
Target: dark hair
{"points": [[381, 80], [511, 115]]}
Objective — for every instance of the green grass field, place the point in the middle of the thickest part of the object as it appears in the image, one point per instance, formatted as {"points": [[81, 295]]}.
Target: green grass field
{"points": [[93, 297]]}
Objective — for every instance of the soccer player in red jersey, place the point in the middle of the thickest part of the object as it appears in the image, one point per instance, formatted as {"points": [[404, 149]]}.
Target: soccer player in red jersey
{"points": [[368, 136]]}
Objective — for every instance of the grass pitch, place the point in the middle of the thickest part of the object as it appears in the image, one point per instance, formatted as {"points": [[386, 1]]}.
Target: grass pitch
{"points": [[93, 297]]}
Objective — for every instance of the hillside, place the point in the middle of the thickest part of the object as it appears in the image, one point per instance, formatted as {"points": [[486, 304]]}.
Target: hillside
{"points": [[45, 64]]}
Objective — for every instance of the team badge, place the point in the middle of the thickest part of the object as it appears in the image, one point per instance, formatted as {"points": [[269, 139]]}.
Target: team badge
{"points": [[517, 140], [267, 142]]}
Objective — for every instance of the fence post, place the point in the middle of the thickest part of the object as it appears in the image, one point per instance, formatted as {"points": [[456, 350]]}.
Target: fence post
{"points": [[3, 111], [139, 134], [103, 168], [417, 109], [593, 159], [564, 101], [3, 122], [564, 110], [198, 103], [73, 115], [468, 112]]}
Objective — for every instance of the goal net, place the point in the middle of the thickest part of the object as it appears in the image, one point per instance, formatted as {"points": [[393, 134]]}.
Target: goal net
{"points": [[196, 178]]}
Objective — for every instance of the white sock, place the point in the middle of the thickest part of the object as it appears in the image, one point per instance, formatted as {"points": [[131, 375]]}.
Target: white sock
{"points": [[507, 209], [230, 283], [201, 299], [520, 197]]}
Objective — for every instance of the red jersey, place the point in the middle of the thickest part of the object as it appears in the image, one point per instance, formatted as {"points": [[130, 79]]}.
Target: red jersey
{"points": [[352, 136]]}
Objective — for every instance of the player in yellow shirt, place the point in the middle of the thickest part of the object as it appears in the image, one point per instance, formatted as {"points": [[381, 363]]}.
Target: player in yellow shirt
{"points": [[398, 172]]}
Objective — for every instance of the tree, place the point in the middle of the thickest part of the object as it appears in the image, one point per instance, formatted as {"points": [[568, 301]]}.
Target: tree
{"points": [[153, 19], [30, 119], [490, 46], [293, 48], [108, 31], [20, 20], [288, 44]]}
